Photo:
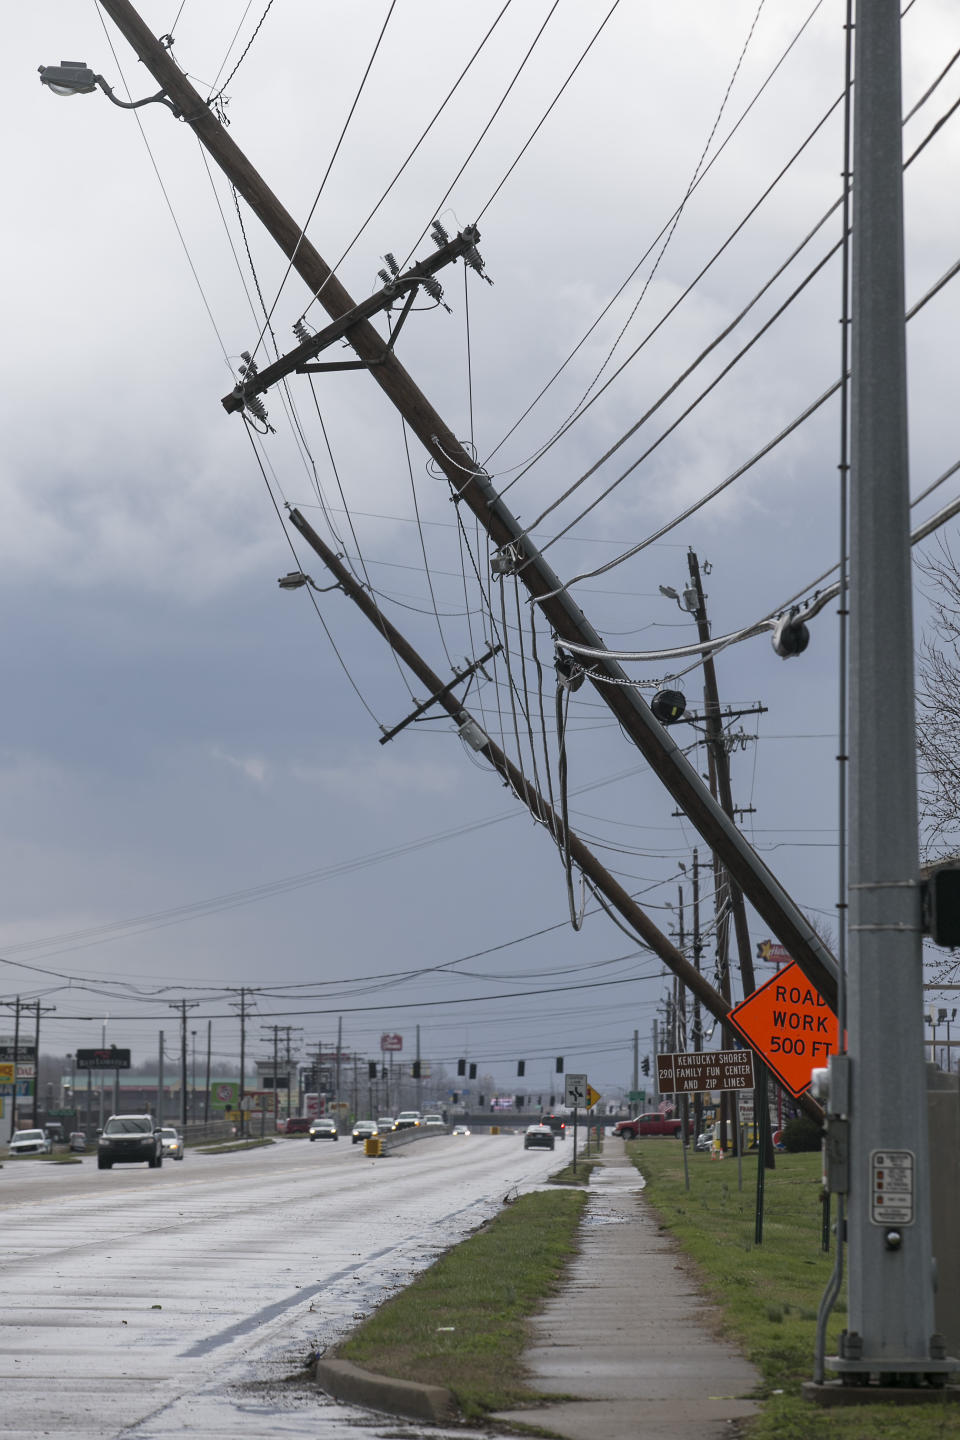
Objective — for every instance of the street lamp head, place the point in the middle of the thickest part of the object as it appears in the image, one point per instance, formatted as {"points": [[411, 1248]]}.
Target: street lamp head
{"points": [[668, 592], [70, 77], [295, 580]]}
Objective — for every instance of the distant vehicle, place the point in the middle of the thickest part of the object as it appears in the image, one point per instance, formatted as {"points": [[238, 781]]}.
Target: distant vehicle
{"points": [[323, 1129], [172, 1142], [297, 1125], [408, 1120], [30, 1142], [651, 1124], [363, 1130], [434, 1122], [77, 1141], [539, 1137], [129, 1140], [459, 1130], [557, 1124], [386, 1123]]}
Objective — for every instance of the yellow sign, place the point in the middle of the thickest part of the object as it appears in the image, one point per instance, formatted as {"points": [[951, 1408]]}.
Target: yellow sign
{"points": [[592, 1097], [6, 1072]]}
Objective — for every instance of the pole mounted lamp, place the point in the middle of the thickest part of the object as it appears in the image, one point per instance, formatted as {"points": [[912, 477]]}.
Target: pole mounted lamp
{"points": [[74, 77]]}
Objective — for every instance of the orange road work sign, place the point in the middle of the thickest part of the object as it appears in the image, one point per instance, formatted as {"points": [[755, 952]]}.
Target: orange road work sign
{"points": [[789, 1023]]}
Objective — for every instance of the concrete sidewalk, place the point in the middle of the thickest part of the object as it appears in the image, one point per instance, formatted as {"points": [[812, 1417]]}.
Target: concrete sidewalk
{"points": [[630, 1334]]}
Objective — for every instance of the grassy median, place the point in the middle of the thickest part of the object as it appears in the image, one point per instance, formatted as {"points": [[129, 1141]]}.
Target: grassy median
{"points": [[769, 1294], [462, 1323]]}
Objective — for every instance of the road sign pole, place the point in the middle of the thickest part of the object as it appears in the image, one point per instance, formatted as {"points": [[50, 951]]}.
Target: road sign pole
{"points": [[890, 1286]]}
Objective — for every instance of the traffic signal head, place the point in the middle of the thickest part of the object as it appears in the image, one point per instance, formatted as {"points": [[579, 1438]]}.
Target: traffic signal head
{"points": [[645, 1065], [559, 1064], [371, 1069], [521, 1067], [455, 1096], [461, 1067], [473, 1071], [415, 1070], [518, 1101]]}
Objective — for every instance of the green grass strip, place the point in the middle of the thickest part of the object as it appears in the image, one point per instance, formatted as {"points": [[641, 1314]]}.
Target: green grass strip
{"points": [[462, 1323], [769, 1294]]}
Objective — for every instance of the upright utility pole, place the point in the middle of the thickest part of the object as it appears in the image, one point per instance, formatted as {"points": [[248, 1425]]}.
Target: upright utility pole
{"points": [[518, 552], [890, 1311], [206, 1093], [160, 1079], [36, 1068], [16, 1057], [183, 1006]]}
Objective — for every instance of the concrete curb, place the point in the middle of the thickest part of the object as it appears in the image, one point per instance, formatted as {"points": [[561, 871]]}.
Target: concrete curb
{"points": [[345, 1381]]}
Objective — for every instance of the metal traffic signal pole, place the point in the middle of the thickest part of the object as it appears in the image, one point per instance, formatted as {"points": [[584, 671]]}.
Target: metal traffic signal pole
{"points": [[665, 757], [890, 1313]]}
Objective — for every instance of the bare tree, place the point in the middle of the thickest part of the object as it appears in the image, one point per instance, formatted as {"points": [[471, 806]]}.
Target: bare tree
{"points": [[938, 707]]}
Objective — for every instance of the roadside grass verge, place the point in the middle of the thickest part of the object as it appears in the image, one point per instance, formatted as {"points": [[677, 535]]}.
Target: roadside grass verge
{"points": [[567, 1176], [769, 1294], [462, 1323]]}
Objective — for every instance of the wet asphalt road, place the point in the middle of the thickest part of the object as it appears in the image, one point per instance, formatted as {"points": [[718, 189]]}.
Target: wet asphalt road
{"points": [[183, 1300]]}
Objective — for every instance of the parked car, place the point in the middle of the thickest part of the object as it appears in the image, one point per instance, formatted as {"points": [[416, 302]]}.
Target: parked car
{"points": [[386, 1123], [77, 1142], [296, 1125], [30, 1142], [323, 1129], [539, 1137], [460, 1130], [172, 1142], [408, 1120], [363, 1130], [129, 1140], [652, 1123], [434, 1122]]}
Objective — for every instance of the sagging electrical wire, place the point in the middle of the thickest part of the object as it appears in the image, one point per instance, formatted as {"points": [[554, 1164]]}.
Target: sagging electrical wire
{"points": [[789, 617]]}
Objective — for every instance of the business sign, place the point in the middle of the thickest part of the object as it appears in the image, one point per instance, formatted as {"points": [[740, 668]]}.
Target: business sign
{"points": [[7, 1072], [691, 1072], [790, 1024], [110, 1059], [773, 953], [24, 1051], [391, 1042]]}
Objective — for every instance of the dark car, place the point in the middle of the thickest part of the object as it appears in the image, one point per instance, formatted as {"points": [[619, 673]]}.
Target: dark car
{"points": [[324, 1129], [557, 1124], [129, 1140], [538, 1137]]}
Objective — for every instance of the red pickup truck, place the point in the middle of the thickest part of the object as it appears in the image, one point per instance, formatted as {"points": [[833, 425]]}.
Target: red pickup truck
{"points": [[651, 1124]]}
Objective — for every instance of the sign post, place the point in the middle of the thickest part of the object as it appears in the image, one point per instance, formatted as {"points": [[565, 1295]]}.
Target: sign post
{"points": [[575, 1095]]}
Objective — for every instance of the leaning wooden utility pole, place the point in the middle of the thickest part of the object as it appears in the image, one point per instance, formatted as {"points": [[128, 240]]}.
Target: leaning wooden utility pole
{"points": [[517, 551], [610, 889]]}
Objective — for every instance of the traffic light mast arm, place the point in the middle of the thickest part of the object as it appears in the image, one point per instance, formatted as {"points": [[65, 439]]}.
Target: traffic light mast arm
{"points": [[475, 489]]}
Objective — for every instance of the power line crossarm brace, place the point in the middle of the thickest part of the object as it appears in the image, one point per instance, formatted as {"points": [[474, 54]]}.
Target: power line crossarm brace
{"points": [[383, 299], [441, 693], [768, 897]]}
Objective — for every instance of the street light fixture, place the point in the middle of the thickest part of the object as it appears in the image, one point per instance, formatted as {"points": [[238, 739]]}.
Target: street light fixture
{"points": [[296, 579], [74, 77]]}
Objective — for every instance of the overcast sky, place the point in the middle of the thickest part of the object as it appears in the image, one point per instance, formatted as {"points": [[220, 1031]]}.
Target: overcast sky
{"points": [[193, 794]]}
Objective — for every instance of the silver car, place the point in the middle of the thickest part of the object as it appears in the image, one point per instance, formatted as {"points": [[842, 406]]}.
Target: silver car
{"points": [[172, 1142]]}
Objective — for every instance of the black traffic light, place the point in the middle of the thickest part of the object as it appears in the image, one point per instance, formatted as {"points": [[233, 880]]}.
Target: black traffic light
{"points": [[461, 1067], [645, 1064], [455, 1096], [559, 1064], [415, 1070], [371, 1069], [518, 1101], [481, 1101], [473, 1071], [521, 1067]]}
